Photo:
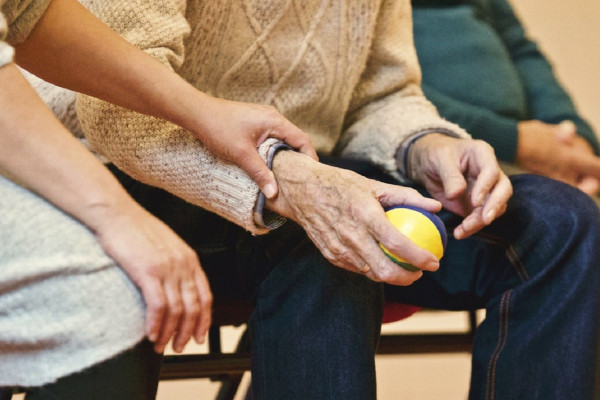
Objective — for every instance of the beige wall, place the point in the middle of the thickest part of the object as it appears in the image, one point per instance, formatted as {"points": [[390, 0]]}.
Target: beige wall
{"points": [[568, 31]]}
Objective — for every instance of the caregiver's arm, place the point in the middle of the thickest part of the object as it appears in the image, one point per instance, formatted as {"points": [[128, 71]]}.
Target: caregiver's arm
{"points": [[38, 152], [71, 48]]}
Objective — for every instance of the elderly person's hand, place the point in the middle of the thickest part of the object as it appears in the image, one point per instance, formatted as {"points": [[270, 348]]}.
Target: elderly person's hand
{"points": [[464, 175], [557, 151], [342, 212]]}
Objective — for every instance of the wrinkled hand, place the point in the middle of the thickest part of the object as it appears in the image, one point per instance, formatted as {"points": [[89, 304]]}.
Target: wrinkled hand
{"points": [[464, 175], [177, 294], [233, 130], [342, 214], [556, 151]]}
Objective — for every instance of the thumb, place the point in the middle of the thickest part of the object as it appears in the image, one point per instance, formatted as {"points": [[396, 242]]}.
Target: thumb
{"points": [[259, 172]]}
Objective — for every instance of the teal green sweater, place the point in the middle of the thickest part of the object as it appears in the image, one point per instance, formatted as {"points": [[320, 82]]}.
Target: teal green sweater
{"points": [[484, 74]]}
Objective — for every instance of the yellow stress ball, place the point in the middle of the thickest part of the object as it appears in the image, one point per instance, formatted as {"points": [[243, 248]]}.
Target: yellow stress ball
{"points": [[424, 228]]}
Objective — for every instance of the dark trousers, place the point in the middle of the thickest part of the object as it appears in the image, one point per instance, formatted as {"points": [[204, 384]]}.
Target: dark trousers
{"points": [[315, 327], [132, 375]]}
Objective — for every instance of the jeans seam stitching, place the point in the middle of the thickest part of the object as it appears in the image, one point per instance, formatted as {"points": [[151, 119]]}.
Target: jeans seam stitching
{"points": [[502, 336], [511, 254]]}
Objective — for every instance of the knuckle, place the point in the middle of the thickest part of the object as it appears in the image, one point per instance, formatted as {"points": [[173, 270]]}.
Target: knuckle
{"points": [[359, 211], [347, 235], [383, 274], [395, 241], [207, 301], [192, 257], [177, 258], [155, 300], [271, 111], [337, 249], [156, 307], [176, 309], [156, 266], [193, 309]]}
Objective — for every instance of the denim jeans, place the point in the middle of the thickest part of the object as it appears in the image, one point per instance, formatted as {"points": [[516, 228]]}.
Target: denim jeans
{"points": [[536, 271], [315, 327]]}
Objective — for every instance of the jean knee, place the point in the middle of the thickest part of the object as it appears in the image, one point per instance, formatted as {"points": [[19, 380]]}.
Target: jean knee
{"points": [[555, 224], [555, 203]]}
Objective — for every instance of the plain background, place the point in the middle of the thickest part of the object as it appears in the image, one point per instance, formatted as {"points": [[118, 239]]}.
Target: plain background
{"points": [[569, 34]]}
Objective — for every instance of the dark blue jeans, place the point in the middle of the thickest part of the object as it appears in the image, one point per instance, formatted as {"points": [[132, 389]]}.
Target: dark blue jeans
{"points": [[536, 271], [315, 327]]}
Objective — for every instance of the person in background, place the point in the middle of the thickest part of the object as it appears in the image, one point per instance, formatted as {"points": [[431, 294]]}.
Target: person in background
{"points": [[346, 72], [93, 286], [482, 71]]}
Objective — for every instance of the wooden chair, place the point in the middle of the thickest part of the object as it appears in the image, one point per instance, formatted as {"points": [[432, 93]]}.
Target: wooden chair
{"points": [[228, 368]]}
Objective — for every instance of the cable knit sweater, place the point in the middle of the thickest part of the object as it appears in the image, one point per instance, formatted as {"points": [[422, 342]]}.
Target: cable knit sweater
{"points": [[344, 71], [64, 304]]}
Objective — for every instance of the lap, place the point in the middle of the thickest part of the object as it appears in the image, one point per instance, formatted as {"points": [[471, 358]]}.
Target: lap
{"points": [[59, 294], [131, 375], [542, 221]]}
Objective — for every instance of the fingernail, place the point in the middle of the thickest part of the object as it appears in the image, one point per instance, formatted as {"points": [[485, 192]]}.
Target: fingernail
{"points": [[490, 216], [479, 200], [433, 266], [269, 190], [459, 232]]}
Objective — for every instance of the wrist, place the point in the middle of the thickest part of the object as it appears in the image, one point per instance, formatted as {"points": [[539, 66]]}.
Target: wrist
{"points": [[292, 170], [280, 165], [533, 137], [108, 210], [414, 157], [403, 153], [193, 110]]}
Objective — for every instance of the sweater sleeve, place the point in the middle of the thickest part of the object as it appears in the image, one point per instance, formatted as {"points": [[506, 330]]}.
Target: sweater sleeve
{"points": [[547, 100], [6, 51], [157, 152], [388, 106]]}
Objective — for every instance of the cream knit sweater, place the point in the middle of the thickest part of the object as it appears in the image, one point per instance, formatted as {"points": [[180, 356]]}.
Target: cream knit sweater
{"points": [[345, 72]]}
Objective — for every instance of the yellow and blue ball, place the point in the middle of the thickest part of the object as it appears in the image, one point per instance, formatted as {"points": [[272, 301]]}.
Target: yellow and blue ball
{"points": [[424, 228]]}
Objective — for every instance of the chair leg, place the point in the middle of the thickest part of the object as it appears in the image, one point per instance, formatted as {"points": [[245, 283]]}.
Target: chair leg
{"points": [[249, 395], [472, 321], [230, 387]]}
